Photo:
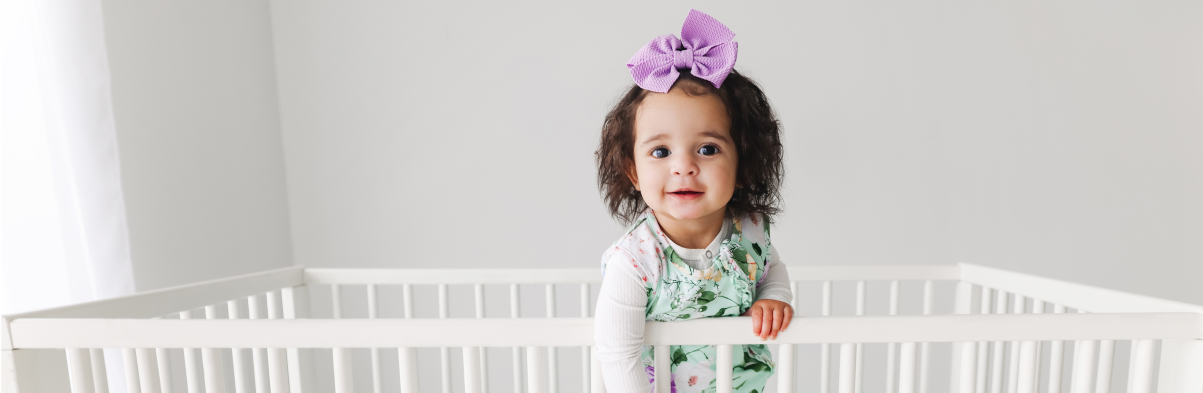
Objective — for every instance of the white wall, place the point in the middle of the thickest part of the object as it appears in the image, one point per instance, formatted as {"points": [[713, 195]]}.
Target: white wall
{"points": [[1053, 138], [194, 93]]}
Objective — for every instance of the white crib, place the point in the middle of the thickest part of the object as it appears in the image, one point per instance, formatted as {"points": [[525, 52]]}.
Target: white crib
{"points": [[1006, 332]]}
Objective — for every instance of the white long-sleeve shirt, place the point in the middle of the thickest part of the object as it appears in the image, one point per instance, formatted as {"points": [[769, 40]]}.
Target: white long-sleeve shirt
{"points": [[621, 307]]}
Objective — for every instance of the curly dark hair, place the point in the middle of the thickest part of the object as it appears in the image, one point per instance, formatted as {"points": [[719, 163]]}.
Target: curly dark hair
{"points": [[754, 128]]}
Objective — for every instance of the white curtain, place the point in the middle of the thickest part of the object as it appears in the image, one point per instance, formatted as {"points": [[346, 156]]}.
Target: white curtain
{"points": [[83, 144], [63, 235], [60, 115]]}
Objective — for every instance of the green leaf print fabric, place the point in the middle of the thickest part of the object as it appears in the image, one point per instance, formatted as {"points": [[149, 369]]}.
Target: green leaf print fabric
{"points": [[678, 292]]}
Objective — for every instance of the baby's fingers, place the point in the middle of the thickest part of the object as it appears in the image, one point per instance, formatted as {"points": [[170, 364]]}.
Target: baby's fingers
{"points": [[766, 326], [789, 316], [755, 314], [778, 317]]}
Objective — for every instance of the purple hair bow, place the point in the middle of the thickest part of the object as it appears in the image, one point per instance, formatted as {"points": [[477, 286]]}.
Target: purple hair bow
{"points": [[705, 48]]}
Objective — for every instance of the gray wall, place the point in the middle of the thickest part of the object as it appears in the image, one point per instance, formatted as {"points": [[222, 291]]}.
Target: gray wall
{"points": [[194, 92], [1058, 139], [1053, 138]]}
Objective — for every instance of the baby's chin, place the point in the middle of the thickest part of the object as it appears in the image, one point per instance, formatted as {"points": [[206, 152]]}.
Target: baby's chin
{"points": [[688, 211]]}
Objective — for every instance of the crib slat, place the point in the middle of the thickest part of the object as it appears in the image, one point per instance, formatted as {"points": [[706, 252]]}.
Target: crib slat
{"points": [[998, 348], [214, 365], [344, 381], [257, 357], [1017, 307], [343, 375], [1102, 383], [598, 385], [1083, 370], [100, 377], [860, 311], [586, 374], [964, 354], [723, 370], [336, 303], [373, 310], [924, 348], [983, 347], [407, 294], [277, 370], [479, 290], [190, 363], [536, 369], [966, 376], [892, 351], [553, 372], [408, 363], [166, 383], [148, 373], [1056, 360], [1140, 376], [786, 379], [78, 370], [472, 382], [515, 312], [1082, 379], [444, 352], [408, 357], [847, 370], [1029, 358], [662, 369], [131, 371], [1037, 308], [825, 349], [288, 301], [234, 311], [906, 369]]}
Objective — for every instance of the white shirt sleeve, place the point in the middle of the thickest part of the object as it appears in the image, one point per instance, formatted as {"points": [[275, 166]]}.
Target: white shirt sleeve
{"points": [[775, 285], [618, 327]]}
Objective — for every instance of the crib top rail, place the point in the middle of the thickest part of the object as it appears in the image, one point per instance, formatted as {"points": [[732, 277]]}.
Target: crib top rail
{"points": [[507, 332], [158, 302], [1079, 296]]}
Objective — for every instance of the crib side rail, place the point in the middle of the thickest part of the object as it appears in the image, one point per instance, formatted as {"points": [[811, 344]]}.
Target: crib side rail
{"points": [[1068, 294], [140, 337], [508, 332]]}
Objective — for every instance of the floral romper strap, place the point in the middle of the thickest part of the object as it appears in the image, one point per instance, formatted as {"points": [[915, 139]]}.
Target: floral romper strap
{"points": [[678, 292]]}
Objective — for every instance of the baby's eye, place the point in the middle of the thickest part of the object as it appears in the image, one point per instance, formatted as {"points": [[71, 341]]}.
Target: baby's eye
{"points": [[708, 150], [660, 152]]}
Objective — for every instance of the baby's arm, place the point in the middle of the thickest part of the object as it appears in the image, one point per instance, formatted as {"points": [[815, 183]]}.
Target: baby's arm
{"points": [[771, 313], [775, 285], [618, 326]]}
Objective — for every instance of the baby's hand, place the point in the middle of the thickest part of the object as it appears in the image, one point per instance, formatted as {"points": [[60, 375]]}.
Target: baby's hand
{"points": [[769, 317]]}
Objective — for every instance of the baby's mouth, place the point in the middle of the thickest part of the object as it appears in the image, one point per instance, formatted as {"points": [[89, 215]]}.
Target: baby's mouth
{"points": [[686, 194]]}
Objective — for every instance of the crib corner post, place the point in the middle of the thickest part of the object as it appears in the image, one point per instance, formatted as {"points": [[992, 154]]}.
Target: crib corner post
{"points": [[8, 370], [8, 367], [1181, 366]]}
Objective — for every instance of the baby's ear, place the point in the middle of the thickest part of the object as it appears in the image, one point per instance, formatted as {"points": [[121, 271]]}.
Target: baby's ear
{"points": [[632, 175]]}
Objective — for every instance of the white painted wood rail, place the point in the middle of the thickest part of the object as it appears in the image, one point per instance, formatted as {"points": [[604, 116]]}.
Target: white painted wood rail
{"points": [[1003, 324]]}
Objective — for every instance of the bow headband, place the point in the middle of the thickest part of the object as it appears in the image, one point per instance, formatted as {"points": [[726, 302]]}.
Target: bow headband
{"points": [[705, 49]]}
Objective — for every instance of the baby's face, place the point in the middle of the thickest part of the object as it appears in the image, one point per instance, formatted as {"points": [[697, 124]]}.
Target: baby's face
{"points": [[685, 159]]}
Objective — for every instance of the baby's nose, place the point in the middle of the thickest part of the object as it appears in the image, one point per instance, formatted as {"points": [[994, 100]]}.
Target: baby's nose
{"points": [[685, 166]]}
